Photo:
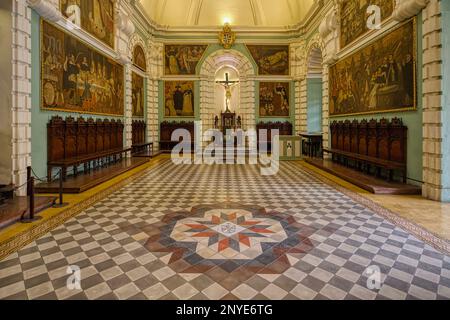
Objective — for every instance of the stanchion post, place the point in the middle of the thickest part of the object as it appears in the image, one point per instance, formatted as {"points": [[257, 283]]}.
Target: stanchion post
{"points": [[61, 203], [28, 179], [31, 187], [31, 214]]}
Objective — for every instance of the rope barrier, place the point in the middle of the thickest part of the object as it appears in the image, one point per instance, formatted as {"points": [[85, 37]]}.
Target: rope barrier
{"points": [[43, 180]]}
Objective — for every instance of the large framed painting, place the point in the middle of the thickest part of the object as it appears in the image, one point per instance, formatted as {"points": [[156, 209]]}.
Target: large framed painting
{"points": [[353, 16], [139, 58], [179, 99], [182, 59], [94, 16], [380, 77], [76, 77], [137, 90], [274, 99], [271, 59]]}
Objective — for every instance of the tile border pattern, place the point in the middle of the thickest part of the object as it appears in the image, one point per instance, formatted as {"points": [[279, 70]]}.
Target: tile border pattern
{"points": [[26, 237], [420, 232]]}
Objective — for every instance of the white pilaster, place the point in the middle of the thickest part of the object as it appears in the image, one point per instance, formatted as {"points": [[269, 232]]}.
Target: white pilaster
{"points": [[21, 94]]}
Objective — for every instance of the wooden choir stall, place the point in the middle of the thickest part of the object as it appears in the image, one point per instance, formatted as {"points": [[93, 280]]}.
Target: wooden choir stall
{"points": [[140, 147], [95, 147], [370, 154]]}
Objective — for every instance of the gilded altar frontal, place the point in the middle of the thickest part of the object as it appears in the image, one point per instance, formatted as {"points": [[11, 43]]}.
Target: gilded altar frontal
{"points": [[77, 78], [378, 78], [354, 17], [97, 17]]}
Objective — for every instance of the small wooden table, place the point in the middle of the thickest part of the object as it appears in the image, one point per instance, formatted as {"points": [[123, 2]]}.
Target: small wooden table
{"points": [[312, 143]]}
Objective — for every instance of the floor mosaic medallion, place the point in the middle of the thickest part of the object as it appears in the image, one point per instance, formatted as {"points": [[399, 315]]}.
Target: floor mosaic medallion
{"points": [[232, 237]]}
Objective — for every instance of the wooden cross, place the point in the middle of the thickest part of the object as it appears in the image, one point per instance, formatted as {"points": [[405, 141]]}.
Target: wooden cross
{"points": [[227, 84]]}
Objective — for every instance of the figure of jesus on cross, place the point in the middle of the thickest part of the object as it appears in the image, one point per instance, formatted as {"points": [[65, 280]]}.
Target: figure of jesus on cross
{"points": [[228, 85]]}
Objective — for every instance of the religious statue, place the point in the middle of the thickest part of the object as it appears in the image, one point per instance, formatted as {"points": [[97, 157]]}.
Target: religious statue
{"points": [[228, 85]]}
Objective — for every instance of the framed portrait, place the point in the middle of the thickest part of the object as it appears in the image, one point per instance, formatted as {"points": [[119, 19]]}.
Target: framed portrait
{"points": [[274, 99], [139, 58], [137, 92], [182, 59], [353, 17], [271, 59], [97, 17], [380, 77], [179, 99], [77, 78]]}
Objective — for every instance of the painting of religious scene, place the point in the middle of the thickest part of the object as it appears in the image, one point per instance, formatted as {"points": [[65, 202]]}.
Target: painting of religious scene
{"points": [[139, 58], [137, 91], [179, 99], [354, 17], [182, 59], [377, 78], [271, 59], [94, 16], [274, 99], [76, 78]]}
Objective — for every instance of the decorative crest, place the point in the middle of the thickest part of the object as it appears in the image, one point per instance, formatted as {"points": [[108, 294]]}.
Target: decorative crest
{"points": [[227, 37]]}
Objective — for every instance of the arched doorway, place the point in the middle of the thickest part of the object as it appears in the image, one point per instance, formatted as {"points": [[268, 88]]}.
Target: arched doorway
{"points": [[314, 90], [238, 64]]}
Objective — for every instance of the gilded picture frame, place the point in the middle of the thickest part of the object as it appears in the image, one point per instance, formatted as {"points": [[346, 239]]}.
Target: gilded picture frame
{"points": [[271, 59], [173, 54], [96, 26], [139, 58], [179, 99], [348, 35], [91, 81], [274, 99], [384, 84], [137, 95]]}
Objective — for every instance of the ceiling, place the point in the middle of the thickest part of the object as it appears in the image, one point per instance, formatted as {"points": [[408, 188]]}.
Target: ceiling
{"points": [[208, 13]]}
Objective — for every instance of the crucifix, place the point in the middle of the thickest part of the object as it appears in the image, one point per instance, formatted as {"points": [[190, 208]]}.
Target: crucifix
{"points": [[227, 84]]}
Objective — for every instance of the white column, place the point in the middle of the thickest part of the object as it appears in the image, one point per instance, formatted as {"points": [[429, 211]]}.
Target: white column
{"points": [[325, 107], [434, 128], [152, 113], [128, 118], [21, 94], [303, 109]]}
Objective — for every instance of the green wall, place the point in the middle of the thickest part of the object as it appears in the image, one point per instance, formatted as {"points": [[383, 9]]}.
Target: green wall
{"points": [[412, 119], [314, 98]]}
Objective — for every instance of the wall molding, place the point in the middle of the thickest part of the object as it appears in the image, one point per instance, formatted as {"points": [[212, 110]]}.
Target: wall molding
{"points": [[405, 9], [46, 10]]}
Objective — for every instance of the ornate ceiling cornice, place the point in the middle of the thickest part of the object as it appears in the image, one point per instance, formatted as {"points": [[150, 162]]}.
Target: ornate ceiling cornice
{"points": [[310, 23]]}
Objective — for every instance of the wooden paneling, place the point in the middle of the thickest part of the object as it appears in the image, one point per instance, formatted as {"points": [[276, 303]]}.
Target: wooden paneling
{"points": [[384, 139], [284, 128], [139, 130], [69, 139]]}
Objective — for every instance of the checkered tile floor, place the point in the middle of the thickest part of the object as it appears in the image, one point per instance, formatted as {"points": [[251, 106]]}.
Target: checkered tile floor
{"points": [[326, 255]]}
